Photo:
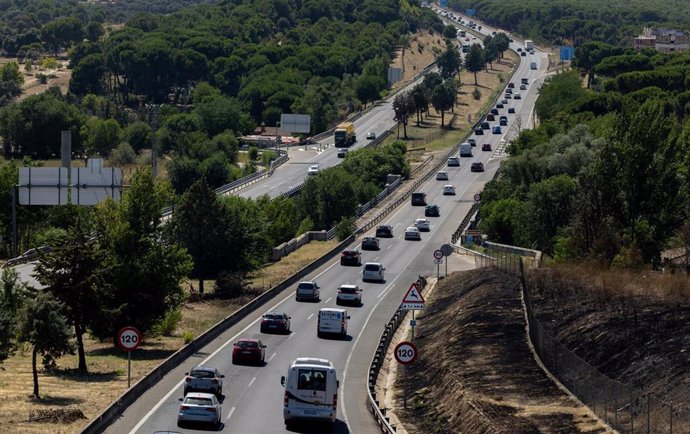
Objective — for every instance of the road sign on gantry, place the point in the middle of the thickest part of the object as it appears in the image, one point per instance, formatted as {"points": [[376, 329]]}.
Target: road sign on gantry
{"points": [[413, 299]]}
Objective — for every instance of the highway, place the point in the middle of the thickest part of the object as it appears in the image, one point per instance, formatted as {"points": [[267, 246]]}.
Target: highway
{"points": [[253, 394]]}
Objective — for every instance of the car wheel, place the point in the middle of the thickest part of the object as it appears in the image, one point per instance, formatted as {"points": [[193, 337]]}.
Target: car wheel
{"points": [[180, 424], [234, 361]]}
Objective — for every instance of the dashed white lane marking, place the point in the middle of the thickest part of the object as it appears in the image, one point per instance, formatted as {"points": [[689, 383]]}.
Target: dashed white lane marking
{"points": [[271, 358], [232, 410], [329, 299], [251, 382], [309, 317]]}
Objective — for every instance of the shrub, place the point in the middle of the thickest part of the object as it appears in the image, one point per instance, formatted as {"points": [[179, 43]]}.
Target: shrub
{"points": [[253, 153], [345, 228], [168, 324], [267, 157], [187, 337], [476, 94], [229, 285], [123, 154], [307, 224]]}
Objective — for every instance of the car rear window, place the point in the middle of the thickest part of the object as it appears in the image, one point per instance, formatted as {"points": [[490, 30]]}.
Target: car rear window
{"points": [[245, 344], [198, 401], [202, 374], [347, 290], [274, 317], [371, 267], [306, 286]]}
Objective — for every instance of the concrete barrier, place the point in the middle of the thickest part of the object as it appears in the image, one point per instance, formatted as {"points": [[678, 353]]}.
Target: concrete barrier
{"points": [[107, 416]]}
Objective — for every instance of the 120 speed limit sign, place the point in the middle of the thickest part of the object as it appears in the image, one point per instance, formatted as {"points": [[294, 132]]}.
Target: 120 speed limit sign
{"points": [[128, 338], [406, 353]]}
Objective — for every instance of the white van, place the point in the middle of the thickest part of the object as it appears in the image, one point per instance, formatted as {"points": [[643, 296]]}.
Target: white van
{"points": [[311, 391], [332, 321], [466, 149], [372, 272]]}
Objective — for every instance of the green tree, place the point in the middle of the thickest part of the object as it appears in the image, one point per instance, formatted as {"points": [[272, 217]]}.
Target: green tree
{"points": [[444, 97], [403, 107], [45, 327], [368, 88], [421, 100], [450, 31], [8, 330], [139, 135], [73, 274], [474, 61], [449, 61], [144, 265], [200, 226], [10, 72], [101, 136], [490, 51]]}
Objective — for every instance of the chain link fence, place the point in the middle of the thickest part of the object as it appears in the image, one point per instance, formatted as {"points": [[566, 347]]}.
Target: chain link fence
{"points": [[625, 408]]}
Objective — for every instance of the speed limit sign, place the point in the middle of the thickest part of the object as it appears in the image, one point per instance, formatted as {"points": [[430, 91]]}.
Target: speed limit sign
{"points": [[406, 353], [128, 338]]}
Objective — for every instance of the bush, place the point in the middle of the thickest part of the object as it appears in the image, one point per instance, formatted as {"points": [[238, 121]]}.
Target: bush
{"points": [[307, 224], [123, 154], [267, 157], [187, 337], [345, 228], [476, 94], [253, 153], [229, 285], [168, 324]]}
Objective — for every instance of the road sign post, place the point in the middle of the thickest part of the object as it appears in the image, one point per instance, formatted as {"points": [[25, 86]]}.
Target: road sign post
{"points": [[129, 339], [405, 353], [447, 250]]}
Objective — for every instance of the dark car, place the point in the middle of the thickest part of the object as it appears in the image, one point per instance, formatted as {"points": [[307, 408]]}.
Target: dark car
{"points": [[523, 53], [486, 147], [248, 351], [342, 152], [477, 167], [472, 142], [490, 117], [499, 105], [370, 243], [479, 132], [494, 111], [511, 110], [384, 231], [503, 122], [485, 126], [275, 322], [432, 211], [511, 85], [351, 257]]}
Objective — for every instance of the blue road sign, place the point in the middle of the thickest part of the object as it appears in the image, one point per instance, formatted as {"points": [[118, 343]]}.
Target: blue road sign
{"points": [[470, 12], [566, 52]]}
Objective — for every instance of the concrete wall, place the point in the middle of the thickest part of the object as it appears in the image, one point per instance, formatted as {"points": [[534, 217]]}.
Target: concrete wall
{"points": [[290, 246]]}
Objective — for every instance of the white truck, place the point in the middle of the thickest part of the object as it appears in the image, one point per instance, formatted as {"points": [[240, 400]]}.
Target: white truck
{"points": [[465, 150], [529, 45], [311, 391]]}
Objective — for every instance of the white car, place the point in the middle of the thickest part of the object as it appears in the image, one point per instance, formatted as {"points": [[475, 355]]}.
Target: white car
{"points": [[349, 294], [423, 225], [200, 407], [313, 170], [373, 271], [448, 190], [442, 175], [412, 233]]}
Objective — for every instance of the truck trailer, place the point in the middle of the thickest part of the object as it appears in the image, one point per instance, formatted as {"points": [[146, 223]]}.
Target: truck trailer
{"points": [[529, 44]]}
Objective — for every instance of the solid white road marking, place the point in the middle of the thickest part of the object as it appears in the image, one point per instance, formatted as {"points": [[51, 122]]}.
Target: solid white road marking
{"points": [[232, 410], [205, 361]]}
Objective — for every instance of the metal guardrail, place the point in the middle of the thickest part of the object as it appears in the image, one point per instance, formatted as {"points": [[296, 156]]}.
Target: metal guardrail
{"points": [[377, 361]]}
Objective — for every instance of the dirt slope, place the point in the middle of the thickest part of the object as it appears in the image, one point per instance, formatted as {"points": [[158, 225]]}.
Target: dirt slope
{"points": [[476, 373]]}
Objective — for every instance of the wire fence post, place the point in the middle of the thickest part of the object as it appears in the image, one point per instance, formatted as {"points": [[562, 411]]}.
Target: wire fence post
{"points": [[647, 413], [632, 414]]}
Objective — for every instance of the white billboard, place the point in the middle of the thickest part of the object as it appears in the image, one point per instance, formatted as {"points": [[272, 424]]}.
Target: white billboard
{"points": [[43, 185], [294, 123]]}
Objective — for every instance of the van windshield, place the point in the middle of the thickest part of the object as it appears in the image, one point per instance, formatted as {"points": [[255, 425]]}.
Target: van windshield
{"points": [[312, 379]]}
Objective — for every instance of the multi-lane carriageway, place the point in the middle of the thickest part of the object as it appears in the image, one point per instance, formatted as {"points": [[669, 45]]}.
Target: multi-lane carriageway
{"points": [[253, 395]]}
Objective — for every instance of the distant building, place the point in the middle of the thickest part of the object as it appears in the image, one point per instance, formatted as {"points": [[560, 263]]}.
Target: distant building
{"points": [[663, 40]]}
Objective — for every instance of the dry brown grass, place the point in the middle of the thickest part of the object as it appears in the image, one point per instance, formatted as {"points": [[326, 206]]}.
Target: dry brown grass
{"points": [[421, 51], [65, 389]]}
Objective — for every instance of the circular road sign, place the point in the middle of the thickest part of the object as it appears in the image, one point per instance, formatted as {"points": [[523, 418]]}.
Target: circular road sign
{"points": [[438, 254], [447, 249], [477, 197], [128, 338], [406, 353]]}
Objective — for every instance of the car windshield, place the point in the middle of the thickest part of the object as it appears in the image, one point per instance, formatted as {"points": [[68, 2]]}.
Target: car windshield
{"points": [[247, 344], [198, 401], [202, 374], [371, 267]]}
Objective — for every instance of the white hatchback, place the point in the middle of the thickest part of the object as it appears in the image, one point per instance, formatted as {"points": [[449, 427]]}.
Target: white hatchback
{"points": [[412, 233], [313, 170], [373, 271], [442, 176]]}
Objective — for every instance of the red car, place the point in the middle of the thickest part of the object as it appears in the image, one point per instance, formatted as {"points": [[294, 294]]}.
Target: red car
{"points": [[486, 147], [248, 351]]}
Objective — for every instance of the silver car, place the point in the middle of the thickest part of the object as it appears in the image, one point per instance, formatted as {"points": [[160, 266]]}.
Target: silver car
{"points": [[307, 290], [204, 379], [200, 407]]}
